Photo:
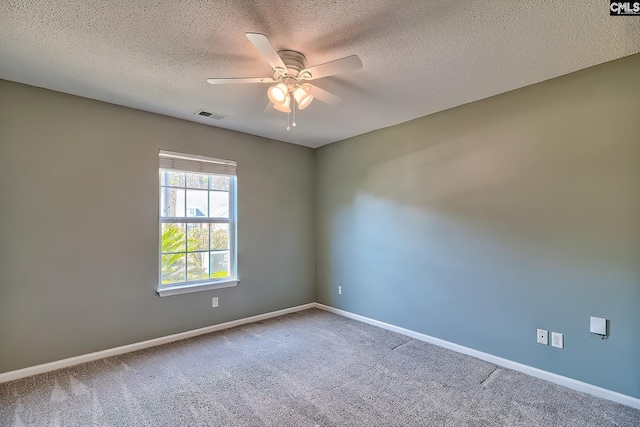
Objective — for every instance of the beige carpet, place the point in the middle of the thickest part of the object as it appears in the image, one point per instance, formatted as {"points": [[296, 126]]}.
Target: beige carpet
{"points": [[311, 368]]}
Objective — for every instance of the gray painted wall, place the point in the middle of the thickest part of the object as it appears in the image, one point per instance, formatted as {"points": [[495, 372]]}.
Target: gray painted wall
{"points": [[476, 225], [79, 226], [480, 224]]}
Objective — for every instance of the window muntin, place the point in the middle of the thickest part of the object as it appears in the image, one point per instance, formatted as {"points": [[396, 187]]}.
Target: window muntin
{"points": [[197, 224]]}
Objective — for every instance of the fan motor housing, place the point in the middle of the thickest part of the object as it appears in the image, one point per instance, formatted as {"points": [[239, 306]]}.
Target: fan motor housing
{"points": [[295, 62]]}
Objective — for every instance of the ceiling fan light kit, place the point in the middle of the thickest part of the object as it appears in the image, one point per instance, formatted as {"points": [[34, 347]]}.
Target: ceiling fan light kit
{"points": [[303, 97], [278, 93], [285, 106], [290, 75]]}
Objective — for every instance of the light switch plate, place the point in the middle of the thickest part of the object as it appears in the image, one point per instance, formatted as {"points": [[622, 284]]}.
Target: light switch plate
{"points": [[598, 325]]}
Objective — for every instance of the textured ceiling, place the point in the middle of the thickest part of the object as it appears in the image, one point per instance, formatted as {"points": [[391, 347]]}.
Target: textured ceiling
{"points": [[419, 56]]}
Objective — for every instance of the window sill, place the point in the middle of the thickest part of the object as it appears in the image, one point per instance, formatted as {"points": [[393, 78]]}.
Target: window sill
{"points": [[167, 291]]}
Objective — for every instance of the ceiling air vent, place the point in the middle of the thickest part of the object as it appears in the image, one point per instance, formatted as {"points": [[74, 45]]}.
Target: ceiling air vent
{"points": [[210, 115]]}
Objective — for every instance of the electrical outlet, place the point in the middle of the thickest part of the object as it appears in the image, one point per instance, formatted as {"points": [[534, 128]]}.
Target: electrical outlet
{"points": [[214, 302], [543, 337], [339, 290], [557, 339]]}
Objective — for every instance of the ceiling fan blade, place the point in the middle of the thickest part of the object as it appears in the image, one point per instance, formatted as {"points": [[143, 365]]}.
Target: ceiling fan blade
{"points": [[326, 97], [240, 80], [327, 69], [262, 43]]}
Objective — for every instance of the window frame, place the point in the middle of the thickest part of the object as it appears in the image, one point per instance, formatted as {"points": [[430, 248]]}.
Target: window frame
{"points": [[231, 222]]}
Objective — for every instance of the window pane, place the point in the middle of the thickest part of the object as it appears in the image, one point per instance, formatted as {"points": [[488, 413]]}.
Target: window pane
{"points": [[173, 268], [198, 266], [196, 202], [171, 202], [195, 180], [219, 236], [219, 204], [174, 179], [219, 264], [198, 237], [174, 238], [196, 244], [217, 182]]}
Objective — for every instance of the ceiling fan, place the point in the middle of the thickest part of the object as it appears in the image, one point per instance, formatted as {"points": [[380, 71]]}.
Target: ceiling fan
{"points": [[290, 76]]}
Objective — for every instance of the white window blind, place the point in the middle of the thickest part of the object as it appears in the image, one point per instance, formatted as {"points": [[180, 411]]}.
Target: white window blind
{"points": [[194, 163]]}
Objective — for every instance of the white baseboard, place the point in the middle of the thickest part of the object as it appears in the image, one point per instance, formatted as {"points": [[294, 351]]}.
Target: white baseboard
{"points": [[529, 370], [77, 360]]}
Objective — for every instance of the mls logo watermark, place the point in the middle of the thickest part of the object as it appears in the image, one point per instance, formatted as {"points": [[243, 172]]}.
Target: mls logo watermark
{"points": [[621, 8]]}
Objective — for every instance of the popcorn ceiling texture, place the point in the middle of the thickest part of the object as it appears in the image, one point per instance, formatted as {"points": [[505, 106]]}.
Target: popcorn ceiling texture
{"points": [[419, 56]]}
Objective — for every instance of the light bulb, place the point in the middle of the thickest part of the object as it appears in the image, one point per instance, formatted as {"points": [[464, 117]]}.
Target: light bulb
{"points": [[278, 94], [303, 97], [284, 106]]}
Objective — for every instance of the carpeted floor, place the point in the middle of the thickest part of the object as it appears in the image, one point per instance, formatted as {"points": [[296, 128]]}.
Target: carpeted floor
{"points": [[311, 368]]}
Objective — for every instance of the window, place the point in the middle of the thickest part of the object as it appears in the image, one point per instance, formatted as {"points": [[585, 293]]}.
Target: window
{"points": [[197, 223]]}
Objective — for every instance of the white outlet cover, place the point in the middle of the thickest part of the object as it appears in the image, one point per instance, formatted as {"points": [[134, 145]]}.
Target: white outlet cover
{"points": [[598, 325], [557, 339], [542, 337], [214, 302]]}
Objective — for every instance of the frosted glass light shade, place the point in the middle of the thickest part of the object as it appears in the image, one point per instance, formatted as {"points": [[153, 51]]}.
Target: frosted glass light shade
{"points": [[303, 97], [284, 107], [278, 94]]}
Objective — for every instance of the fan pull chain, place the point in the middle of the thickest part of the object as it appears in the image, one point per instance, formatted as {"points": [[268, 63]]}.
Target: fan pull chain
{"points": [[288, 125], [294, 113]]}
